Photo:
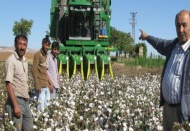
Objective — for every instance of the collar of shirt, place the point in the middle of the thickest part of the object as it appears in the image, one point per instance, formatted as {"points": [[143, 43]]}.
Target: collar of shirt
{"points": [[43, 53], [18, 58], [53, 57], [184, 46]]}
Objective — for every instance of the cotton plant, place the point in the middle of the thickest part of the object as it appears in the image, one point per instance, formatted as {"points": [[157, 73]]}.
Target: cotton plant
{"points": [[122, 103]]}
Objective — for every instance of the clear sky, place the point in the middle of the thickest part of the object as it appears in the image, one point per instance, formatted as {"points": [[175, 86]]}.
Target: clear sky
{"points": [[156, 17]]}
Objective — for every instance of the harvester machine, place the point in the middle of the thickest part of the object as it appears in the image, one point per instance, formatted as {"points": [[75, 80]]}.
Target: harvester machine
{"points": [[82, 27]]}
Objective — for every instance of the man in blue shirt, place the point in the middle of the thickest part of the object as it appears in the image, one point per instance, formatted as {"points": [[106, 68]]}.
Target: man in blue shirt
{"points": [[175, 82]]}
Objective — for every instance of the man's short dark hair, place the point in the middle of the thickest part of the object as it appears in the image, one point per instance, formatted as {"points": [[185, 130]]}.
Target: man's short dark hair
{"points": [[20, 36], [55, 45], [46, 40]]}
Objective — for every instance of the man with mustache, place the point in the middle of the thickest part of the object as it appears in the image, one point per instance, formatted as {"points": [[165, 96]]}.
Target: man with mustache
{"points": [[175, 82], [16, 79], [53, 68]]}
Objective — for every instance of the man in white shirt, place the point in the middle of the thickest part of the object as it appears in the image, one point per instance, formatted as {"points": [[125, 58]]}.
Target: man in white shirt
{"points": [[53, 68]]}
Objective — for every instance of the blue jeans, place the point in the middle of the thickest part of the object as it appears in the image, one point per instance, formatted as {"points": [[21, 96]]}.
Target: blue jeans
{"points": [[43, 98], [25, 122], [54, 94]]}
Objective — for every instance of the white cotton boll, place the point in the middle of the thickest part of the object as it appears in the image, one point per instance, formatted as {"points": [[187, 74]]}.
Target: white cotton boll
{"points": [[106, 126], [122, 111], [67, 128], [34, 126], [64, 87], [118, 117], [35, 119], [96, 118], [46, 119], [151, 103], [49, 129], [85, 97], [128, 111], [101, 118], [72, 103], [51, 120], [81, 117], [124, 124], [159, 128], [102, 93], [87, 109], [131, 129], [57, 103], [60, 114], [11, 122], [109, 110], [91, 105], [45, 113], [99, 112], [124, 128], [80, 102], [99, 107], [57, 129], [55, 123]]}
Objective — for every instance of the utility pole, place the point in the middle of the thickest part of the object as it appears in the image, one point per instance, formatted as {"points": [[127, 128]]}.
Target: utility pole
{"points": [[133, 22]]}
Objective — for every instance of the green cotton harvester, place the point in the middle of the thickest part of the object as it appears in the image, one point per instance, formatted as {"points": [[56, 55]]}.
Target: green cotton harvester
{"points": [[82, 27]]}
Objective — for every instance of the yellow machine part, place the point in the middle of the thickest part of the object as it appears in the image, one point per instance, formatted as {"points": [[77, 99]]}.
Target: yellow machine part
{"points": [[110, 70], [67, 66], [60, 68], [102, 74], [74, 70], [96, 70], [81, 68], [88, 71]]}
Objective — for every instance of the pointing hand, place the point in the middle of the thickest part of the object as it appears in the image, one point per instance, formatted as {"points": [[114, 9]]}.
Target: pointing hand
{"points": [[143, 35]]}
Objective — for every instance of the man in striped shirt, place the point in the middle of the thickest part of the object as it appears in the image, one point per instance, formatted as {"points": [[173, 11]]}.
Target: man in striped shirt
{"points": [[175, 82], [53, 68]]}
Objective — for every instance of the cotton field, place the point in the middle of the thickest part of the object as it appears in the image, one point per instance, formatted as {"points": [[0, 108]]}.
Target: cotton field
{"points": [[120, 104]]}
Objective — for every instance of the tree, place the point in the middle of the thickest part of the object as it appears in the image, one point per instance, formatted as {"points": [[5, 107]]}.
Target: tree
{"points": [[137, 46], [123, 41], [22, 27]]}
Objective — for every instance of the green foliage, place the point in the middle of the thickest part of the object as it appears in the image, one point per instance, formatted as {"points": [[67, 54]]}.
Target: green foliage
{"points": [[123, 41], [22, 27], [146, 62], [137, 46]]}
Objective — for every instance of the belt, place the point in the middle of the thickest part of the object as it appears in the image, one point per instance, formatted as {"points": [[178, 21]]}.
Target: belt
{"points": [[173, 105], [22, 98]]}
